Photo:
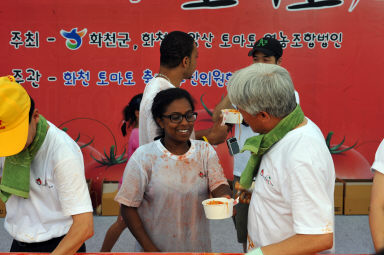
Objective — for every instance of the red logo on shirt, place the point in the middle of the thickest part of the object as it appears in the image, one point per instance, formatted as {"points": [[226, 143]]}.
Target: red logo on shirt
{"points": [[1, 127], [38, 181], [267, 178]]}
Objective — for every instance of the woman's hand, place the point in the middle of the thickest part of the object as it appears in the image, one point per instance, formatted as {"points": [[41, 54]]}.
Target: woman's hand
{"points": [[222, 191], [226, 196]]}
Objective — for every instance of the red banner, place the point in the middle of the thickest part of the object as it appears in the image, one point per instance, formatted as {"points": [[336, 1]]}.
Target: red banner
{"points": [[82, 61]]}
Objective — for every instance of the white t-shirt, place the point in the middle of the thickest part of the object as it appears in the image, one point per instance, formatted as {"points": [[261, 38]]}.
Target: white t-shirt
{"points": [[168, 190], [378, 164], [293, 189], [58, 190], [242, 133], [148, 128]]}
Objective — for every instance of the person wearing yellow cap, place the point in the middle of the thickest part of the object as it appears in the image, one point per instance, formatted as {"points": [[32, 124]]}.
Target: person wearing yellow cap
{"points": [[43, 182]]}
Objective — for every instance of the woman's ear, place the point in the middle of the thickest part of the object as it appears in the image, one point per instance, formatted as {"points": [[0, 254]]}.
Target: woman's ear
{"points": [[159, 122], [137, 113]]}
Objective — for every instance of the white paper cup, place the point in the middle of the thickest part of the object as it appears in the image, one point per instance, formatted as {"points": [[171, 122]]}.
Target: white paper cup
{"points": [[222, 209], [231, 116]]}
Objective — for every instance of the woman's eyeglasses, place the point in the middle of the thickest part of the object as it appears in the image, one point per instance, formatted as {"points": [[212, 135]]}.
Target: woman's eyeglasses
{"points": [[178, 117]]}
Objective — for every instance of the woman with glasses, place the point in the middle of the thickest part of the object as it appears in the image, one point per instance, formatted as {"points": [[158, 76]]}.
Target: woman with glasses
{"points": [[165, 181]]}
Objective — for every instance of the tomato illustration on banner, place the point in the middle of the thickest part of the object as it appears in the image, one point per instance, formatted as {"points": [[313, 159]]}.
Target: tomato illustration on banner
{"points": [[349, 163], [98, 167], [109, 167]]}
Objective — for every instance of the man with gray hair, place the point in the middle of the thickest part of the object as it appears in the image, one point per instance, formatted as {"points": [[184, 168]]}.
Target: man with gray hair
{"points": [[291, 209], [266, 50]]}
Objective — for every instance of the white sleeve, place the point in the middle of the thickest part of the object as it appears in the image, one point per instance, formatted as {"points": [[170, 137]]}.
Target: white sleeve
{"points": [[147, 127], [69, 178], [378, 164], [215, 171], [135, 181]]}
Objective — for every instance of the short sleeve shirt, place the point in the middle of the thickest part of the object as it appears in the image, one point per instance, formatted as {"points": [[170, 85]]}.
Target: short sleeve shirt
{"points": [[293, 189], [58, 190], [168, 190]]}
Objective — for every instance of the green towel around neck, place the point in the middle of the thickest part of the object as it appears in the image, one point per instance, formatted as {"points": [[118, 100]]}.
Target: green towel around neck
{"points": [[16, 170], [260, 144]]}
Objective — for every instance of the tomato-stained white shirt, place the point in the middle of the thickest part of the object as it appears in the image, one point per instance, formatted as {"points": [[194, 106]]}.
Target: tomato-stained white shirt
{"points": [[168, 190]]}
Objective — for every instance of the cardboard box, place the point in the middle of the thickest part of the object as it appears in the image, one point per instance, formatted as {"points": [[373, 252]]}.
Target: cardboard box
{"points": [[357, 197], [339, 198], [109, 206], [3, 211]]}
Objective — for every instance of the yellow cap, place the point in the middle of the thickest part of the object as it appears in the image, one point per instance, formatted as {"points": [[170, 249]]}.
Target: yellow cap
{"points": [[14, 116]]}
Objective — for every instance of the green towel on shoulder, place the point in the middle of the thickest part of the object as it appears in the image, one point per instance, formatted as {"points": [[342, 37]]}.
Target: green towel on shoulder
{"points": [[260, 144], [15, 180]]}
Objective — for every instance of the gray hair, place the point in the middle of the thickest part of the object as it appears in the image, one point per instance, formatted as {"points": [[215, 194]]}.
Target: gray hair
{"points": [[263, 87]]}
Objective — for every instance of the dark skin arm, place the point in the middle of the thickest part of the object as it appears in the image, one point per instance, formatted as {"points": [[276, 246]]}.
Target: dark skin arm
{"points": [[222, 191], [215, 135], [135, 225]]}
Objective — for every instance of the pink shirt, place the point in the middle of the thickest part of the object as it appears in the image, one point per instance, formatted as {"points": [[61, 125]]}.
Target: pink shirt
{"points": [[133, 142]]}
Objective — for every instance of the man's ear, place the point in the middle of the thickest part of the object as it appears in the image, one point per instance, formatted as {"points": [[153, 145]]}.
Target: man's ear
{"points": [[35, 115], [264, 116], [186, 61]]}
